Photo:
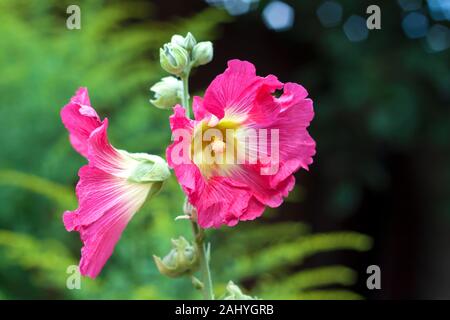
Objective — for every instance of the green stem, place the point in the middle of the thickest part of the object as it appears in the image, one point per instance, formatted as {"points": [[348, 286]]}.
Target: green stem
{"points": [[199, 235], [185, 97]]}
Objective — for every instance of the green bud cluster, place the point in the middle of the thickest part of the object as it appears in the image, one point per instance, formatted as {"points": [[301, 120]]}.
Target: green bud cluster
{"points": [[178, 57], [198, 53]]}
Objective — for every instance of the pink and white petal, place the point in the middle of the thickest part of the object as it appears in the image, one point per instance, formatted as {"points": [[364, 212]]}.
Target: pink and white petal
{"points": [[106, 204], [96, 191], [233, 91], [99, 241], [102, 155], [80, 119]]}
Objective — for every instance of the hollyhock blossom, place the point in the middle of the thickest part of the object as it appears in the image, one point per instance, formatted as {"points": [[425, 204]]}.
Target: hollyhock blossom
{"points": [[112, 186], [237, 103]]}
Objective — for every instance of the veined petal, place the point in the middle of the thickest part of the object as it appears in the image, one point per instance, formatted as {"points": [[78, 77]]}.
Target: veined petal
{"points": [[296, 146], [80, 119], [106, 205], [234, 91], [220, 201], [112, 187], [102, 155]]}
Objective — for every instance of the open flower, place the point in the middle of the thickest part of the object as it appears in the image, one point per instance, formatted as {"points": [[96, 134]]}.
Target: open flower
{"points": [[112, 187], [240, 152]]}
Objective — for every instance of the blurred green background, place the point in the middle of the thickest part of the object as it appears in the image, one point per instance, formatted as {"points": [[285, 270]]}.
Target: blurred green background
{"points": [[377, 193]]}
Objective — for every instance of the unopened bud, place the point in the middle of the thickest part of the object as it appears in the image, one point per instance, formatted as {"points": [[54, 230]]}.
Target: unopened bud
{"points": [[173, 58], [177, 39], [202, 53], [167, 92], [146, 168], [181, 260], [189, 42]]}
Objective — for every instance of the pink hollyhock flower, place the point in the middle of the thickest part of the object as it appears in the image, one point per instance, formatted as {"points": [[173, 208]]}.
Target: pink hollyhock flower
{"points": [[236, 105], [112, 187]]}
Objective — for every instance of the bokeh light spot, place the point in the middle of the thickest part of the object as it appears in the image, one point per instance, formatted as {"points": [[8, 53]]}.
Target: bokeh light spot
{"points": [[439, 9], [235, 7], [415, 25], [438, 38], [278, 16], [330, 13], [410, 5], [355, 28]]}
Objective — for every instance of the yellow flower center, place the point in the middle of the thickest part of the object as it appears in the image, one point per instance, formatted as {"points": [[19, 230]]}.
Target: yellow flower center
{"points": [[214, 146]]}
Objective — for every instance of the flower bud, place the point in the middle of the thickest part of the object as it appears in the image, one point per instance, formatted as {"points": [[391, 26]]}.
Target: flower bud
{"points": [[189, 41], [177, 39], [167, 92], [146, 168], [173, 58], [181, 260], [202, 53], [234, 293]]}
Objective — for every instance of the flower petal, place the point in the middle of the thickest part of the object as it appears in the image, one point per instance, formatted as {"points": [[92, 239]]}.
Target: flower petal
{"points": [[296, 147], [102, 155], [220, 201], [80, 119], [233, 91], [106, 205]]}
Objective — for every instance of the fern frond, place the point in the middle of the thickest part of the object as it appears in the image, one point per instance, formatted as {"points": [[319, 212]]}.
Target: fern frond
{"points": [[307, 280], [294, 252]]}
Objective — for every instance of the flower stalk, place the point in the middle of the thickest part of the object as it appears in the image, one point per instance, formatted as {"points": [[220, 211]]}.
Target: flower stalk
{"points": [[185, 96], [204, 257], [199, 233]]}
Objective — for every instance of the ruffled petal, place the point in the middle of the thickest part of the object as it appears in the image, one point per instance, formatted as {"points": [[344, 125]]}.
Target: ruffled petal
{"points": [[177, 155], [296, 146], [220, 201], [80, 119], [233, 92]]}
